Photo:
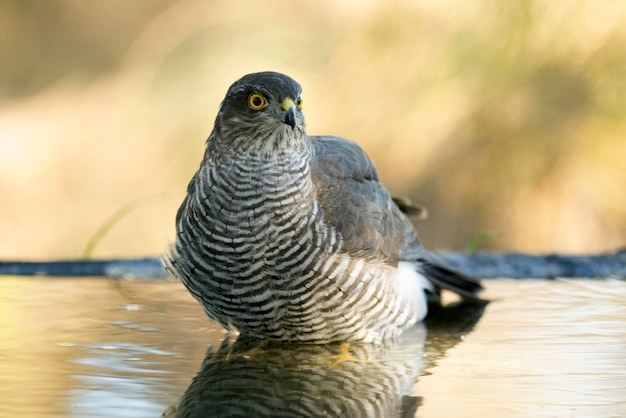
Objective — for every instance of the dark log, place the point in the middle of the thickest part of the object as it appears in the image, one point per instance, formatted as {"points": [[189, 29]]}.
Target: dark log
{"points": [[486, 265]]}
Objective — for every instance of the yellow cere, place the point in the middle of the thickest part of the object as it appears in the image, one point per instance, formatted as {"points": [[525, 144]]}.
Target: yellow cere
{"points": [[288, 103]]}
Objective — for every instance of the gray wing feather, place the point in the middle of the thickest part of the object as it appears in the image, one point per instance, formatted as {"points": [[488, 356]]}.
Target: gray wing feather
{"points": [[358, 206], [371, 222]]}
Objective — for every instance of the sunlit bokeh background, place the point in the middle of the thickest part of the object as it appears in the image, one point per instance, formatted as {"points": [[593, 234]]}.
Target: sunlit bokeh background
{"points": [[507, 120]]}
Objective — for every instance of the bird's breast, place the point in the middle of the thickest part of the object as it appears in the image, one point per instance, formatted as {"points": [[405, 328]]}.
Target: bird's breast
{"points": [[260, 216]]}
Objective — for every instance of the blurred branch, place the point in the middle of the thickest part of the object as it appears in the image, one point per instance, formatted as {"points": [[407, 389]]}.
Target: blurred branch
{"points": [[117, 216], [487, 265]]}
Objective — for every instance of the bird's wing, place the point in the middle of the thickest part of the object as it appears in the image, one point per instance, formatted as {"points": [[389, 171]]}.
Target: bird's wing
{"points": [[357, 206], [371, 222]]}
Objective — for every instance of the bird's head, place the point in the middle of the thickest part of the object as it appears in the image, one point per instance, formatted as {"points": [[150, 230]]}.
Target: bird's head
{"points": [[261, 113]]}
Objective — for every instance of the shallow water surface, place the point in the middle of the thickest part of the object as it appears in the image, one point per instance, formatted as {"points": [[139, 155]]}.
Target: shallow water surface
{"points": [[107, 348]]}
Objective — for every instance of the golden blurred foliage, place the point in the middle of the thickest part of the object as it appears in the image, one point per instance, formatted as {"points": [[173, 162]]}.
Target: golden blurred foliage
{"points": [[507, 120]]}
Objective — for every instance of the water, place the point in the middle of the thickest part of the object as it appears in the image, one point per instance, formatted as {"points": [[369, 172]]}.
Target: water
{"points": [[105, 348]]}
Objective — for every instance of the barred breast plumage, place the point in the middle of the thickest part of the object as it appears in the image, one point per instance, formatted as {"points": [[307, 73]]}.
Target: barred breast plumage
{"points": [[291, 237]]}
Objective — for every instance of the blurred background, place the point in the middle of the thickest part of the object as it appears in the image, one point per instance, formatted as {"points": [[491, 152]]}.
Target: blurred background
{"points": [[507, 120]]}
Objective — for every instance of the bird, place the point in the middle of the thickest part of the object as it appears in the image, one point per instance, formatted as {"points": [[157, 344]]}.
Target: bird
{"points": [[289, 237]]}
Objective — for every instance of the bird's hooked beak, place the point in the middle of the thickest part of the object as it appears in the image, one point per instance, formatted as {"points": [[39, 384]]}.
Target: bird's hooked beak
{"points": [[288, 115]]}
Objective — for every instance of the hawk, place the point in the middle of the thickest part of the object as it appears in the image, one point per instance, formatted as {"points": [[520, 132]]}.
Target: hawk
{"points": [[291, 237]]}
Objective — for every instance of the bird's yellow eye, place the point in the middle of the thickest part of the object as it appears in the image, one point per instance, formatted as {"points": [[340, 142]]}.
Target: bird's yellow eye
{"points": [[256, 101], [299, 103]]}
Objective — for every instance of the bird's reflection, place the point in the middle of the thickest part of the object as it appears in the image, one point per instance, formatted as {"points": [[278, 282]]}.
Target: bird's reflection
{"points": [[248, 378]]}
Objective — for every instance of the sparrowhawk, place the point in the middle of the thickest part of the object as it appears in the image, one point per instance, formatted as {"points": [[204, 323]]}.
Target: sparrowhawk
{"points": [[292, 237]]}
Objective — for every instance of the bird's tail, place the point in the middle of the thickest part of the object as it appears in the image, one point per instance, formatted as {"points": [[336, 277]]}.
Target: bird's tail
{"points": [[443, 276]]}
